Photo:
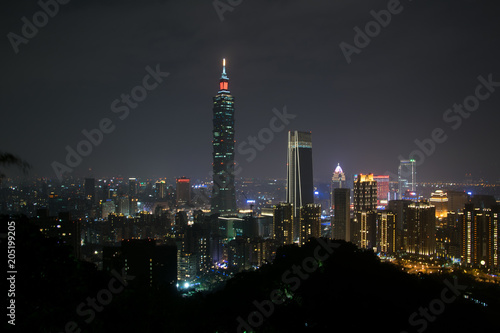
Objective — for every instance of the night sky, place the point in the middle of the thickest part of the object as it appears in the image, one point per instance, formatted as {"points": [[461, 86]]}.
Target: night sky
{"points": [[363, 115]]}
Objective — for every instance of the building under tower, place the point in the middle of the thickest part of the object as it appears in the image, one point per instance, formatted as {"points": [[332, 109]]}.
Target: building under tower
{"points": [[223, 191]]}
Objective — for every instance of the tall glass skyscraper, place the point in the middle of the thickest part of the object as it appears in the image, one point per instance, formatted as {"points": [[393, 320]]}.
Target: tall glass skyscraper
{"points": [[223, 191], [407, 177], [299, 190]]}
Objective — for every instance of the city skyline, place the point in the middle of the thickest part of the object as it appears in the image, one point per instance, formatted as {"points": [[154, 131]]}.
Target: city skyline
{"points": [[383, 87]]}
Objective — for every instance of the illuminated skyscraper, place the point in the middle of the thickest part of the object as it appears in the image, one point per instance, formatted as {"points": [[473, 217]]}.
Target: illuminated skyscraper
{"points": [[161, 189], [439, 199], [382, 190], [407, 177], [480, 233], [223, 192], [421, 229], [338, 181], [299, 189], [338, 178], [365, 206], [183, 190], [386, 227]]}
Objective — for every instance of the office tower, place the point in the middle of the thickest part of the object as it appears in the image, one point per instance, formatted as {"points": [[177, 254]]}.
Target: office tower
{"points": [[283, 222], [161, 189], [480, 233], [456, 200], [223, 191], [365, 206], [338, 181], [338, 178], [341, 226], [90, 189], [407, 177], [421, 222], [299, 189], [382, 190], [183, 191], [310, 222], [400, 209], [132, 187], [386, 232], [365, 193], [439, 199]]}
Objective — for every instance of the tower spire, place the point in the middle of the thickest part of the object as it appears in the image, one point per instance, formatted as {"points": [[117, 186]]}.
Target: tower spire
{"points": [[224, 80], [224, 75]]}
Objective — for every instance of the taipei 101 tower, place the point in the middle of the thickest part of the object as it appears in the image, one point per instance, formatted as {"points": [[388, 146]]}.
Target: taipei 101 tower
{"points": [[223, 191]]}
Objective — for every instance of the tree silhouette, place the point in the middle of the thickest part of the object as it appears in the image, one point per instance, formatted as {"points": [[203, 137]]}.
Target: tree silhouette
{"points": [[8, 159]]}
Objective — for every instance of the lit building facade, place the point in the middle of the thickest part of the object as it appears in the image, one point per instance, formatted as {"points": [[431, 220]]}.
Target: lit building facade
{"points": [[338, 181], [421, 222], [223, 191], [161, 189], [386, 232], [365, 206], [382, 190], [480, 246], [283, 222], [310, 222], [439, 199]]}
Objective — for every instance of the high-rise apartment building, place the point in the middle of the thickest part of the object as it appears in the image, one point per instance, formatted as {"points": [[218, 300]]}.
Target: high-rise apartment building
{"points": [[365, 206], [386, 232], [310, 222], [421, 222], [223, 190], [480, 233], [283, 222]]}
